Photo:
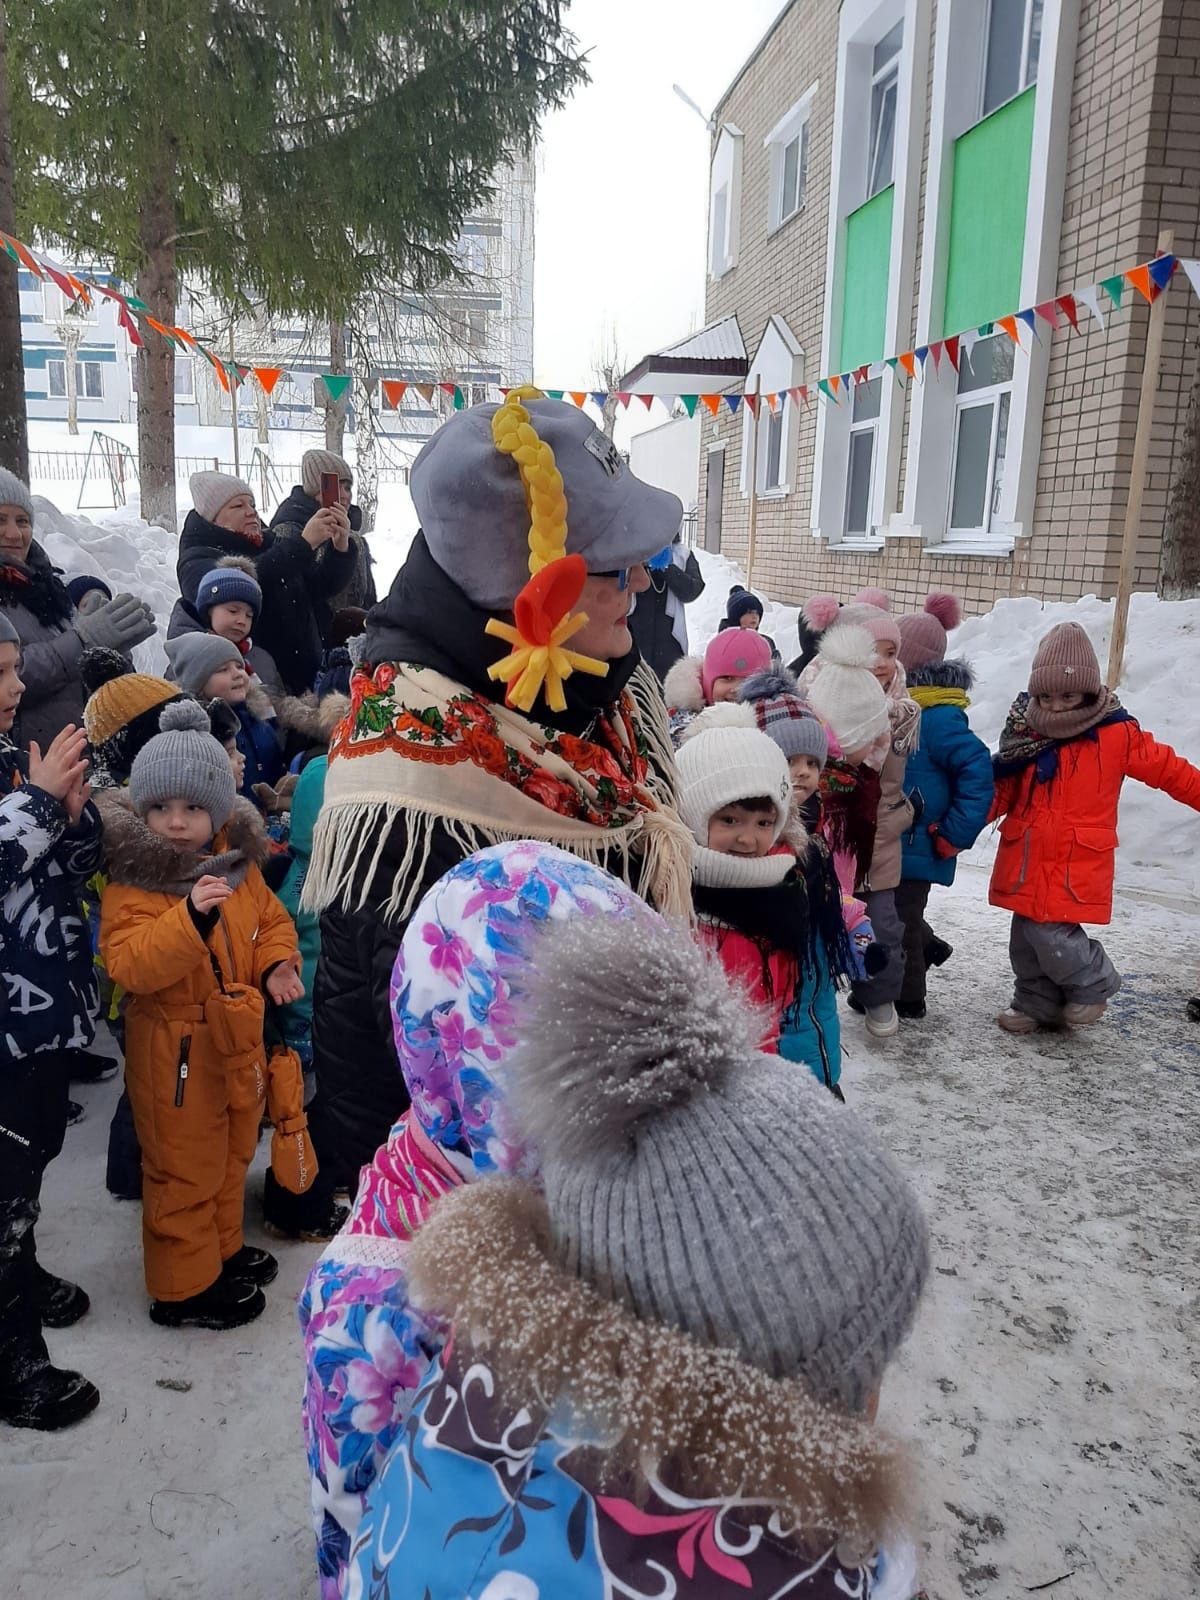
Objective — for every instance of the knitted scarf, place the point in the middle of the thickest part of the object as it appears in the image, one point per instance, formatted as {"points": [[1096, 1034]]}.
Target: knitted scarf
{"points": [[927, 696], [416, 741], [1023, 744], [849, 807], [34, 584]]}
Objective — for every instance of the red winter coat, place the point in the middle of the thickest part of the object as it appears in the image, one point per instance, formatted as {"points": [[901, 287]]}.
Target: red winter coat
{"points": [[1055, 861]]}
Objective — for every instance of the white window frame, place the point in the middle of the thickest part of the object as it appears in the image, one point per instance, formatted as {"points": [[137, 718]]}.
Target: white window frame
{"points": [[778, 366], [186, 364], [81, 371], [882, 78], [993, 394], [791, 129], [1025, 77], [725, 174], [55, 303], [867, 427]]}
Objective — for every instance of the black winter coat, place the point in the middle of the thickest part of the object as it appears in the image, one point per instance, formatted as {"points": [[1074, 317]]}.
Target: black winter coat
{"points": [[202, 546], [427, 620], [651, 624], [293, 517], [297, 583]]}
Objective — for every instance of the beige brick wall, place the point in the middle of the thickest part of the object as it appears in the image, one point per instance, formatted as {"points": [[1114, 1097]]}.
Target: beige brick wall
{"points": [[1133, 166]]}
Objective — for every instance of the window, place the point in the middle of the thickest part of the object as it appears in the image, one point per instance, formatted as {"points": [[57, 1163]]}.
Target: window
{"points": [[720, 223], [55, 305], [1014, 41], [185, 381], [724, 201], [981, 436], [777, 367], [885, 91], [772, 476], [864, 425], [89, 380], [787, 149], [477, 328]]}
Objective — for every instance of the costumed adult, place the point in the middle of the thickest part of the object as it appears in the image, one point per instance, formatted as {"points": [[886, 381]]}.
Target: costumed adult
{"points": [[302, 504], [658, 623], [52, 632], [500, 697]]}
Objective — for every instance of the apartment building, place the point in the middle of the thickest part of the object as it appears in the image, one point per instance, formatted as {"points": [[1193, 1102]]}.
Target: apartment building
{"points": [[889, 173]]}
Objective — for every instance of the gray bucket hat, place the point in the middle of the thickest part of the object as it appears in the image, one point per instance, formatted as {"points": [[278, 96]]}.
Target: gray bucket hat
{"points": [[472, 507]]}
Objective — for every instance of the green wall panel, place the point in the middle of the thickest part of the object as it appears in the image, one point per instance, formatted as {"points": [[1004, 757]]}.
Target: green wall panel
{"points": [[866, 255], [988, 199]]}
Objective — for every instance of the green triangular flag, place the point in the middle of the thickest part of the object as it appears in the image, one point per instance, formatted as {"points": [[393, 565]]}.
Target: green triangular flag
{"points": [[555, 394], [459, 398], [985, 328], [11, 250], [1114, 288], [336, 384], [823, 385], [690, 402]]}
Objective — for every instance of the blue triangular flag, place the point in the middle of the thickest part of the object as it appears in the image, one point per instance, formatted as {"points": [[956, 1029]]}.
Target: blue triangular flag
{"points": [[599, 396], [733, 401], [1161, 270], [1029, 318], [922, 354]]}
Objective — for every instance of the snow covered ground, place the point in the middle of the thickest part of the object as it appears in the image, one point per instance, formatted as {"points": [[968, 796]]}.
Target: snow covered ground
{"points": [[1049, 1389]]}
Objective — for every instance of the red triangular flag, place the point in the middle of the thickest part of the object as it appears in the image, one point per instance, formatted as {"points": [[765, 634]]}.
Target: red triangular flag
{"points": [[1048, 311], [127, 322], [448, 388], [711, 403], [1066, 304], [803, 391], [267, 377], [794, 396], [935, 350], [393, 392], [909, 362], [647, 400], [578, 396], [1009, 324], [752, 403], [861, 375], [624, 399], [1139, 277], [951, 347], [63, 282]]}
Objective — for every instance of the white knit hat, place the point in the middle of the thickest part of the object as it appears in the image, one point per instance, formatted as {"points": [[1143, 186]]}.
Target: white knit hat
{"points": [[723, 759], [845, 692], [212, 490]]}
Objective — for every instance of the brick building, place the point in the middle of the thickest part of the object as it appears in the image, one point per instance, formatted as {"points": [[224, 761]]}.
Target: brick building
{"points": [[886, 173]]}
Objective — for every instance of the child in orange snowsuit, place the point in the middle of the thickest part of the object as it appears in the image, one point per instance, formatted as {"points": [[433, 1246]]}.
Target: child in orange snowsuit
{"points": [[191, 932]]}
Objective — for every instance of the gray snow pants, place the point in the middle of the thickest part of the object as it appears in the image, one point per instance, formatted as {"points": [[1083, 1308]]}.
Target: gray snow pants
{"points": [[1057, 964], [889, 931]]}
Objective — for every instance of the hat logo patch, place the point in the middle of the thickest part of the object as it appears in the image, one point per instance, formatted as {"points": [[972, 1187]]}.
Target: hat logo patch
{"points": [[598, 444]]}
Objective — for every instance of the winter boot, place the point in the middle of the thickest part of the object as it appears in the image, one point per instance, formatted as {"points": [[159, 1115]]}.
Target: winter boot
{"points": [[75, 1113], [123, 1171], [228, 1303], [1017, 1022], [252, 1265], [34, 1394], [882, 1021], [89, 1066], [1193, 1009], [910, 1010], [938, 952], [1078, 1015], [59, 1303]]}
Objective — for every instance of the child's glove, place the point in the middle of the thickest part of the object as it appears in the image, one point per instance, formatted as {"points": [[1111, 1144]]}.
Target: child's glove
{"points": [[942, 848]]}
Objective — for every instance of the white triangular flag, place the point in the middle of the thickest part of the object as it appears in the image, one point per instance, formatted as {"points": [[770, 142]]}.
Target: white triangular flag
{"points": [[1091, 299], [1192, 268]]}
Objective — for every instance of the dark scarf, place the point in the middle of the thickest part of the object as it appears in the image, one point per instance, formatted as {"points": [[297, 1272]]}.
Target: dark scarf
{"points": [[849, 807], [36, 585], [197, 530], [1023, 745]]}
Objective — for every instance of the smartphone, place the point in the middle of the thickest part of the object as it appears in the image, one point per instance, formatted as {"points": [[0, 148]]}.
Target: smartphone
{"points": [[330, 489]]}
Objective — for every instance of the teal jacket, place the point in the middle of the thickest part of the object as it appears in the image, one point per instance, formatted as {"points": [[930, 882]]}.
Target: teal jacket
{"points": [[306, 804]]}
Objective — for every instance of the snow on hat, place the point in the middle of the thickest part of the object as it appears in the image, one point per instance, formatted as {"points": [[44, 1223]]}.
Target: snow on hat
{"points": [[1065, 663], [194, 657], [475, 516], [78, 587], [184, 762], [784, 716], [881, 625], [709, 1187], [923, 633], [740, 602], [314, 462], [723, 758], [15, 493], [846, 692], [212, 490], [734, 653], [228, 582]]}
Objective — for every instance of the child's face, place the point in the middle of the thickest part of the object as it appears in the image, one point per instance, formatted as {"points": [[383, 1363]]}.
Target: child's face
{"points": [[806, 775], [725, 690], [228, 683], [1061, 702], [749, 619], [92, 600], [187, 826], [11, 687], [237, 763], [884, 668], [738, 831], [16, 533], [232, 620]]}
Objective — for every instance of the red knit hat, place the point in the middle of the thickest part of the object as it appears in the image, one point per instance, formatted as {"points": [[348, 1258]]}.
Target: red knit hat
{"points": [[1065, 663], [923, 633]]}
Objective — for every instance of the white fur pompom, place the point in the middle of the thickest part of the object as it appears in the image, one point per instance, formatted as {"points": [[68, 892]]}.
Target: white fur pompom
{"points": [[729, 714], [848, 645]]}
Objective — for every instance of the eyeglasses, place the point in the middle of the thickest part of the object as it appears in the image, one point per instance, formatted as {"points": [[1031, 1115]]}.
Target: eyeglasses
{"points": [[621, 574]]}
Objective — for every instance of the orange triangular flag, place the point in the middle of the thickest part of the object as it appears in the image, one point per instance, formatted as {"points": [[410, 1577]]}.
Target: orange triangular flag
{"points": [[1139, 277], [773, 402], [578, 396], [393, 392], [711, 403], [182, 333], [909, 362], [1009, 324], [425, 390], [268, 377], [24, 255], [834, 381]]}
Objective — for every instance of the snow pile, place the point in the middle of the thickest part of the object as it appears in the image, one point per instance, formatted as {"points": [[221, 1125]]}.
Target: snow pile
{"points": [[1159, 837]]}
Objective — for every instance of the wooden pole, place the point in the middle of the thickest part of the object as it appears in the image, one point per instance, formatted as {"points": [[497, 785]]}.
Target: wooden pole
{"points": [[233, 401], [1137, 473], [757, 407]]}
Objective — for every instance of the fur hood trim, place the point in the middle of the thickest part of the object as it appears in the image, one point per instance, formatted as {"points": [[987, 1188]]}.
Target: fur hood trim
{"points": [[143, 860], [956, 674], [315, 719], [259, 703], [682, 686], [658, 1399]]}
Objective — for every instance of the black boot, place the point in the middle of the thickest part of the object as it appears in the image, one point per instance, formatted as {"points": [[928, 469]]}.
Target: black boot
{"points": [[59, 1303], [910, 1010], [123, 1173], [938, 952], [1193, 1009], [252, 1265], [228, 1303], [89, 1066], [34, 1394], [312, 1217]]}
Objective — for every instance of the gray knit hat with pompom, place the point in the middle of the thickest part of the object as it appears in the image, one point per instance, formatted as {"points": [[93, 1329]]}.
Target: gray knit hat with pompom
{"points": [[709, 1186], [184, 762]]}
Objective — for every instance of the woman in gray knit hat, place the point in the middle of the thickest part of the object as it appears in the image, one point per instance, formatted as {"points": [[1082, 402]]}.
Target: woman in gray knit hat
{"points": [[663, 1369]]}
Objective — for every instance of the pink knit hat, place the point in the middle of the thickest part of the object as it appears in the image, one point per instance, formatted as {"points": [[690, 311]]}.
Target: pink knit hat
{"points": [[879, 598], [734, 653], [880, 624], [923, 633]]}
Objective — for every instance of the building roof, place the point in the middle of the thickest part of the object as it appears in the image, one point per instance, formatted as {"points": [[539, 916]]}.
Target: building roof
{"points": [[714, 357]]}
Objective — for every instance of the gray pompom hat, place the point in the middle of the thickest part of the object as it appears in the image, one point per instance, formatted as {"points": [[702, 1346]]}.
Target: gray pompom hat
{"points": [[184, 762], [709, 1186], [13, 492]]}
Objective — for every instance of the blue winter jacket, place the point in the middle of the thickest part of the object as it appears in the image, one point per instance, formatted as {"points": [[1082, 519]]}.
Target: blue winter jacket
{"points": [[948, 778], [259, 743]]}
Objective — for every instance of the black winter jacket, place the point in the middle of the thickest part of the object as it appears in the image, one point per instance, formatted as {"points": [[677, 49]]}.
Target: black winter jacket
{"points": [[650, 623], [293, 517], [297, 583], [427, 620], [202, 546]]}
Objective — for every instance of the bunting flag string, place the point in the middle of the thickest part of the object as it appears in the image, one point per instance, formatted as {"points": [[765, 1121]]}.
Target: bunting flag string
{"points": [[1148, 279]]}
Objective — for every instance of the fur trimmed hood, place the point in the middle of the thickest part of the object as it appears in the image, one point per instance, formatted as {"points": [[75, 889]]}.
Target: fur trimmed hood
{"points": [[661, 1401], [306, 714], [144, 860], [682, 687], [955, 674]]}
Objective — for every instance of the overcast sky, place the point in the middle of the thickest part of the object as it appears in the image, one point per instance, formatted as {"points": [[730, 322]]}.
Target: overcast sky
{"points": [[622, 182]]}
